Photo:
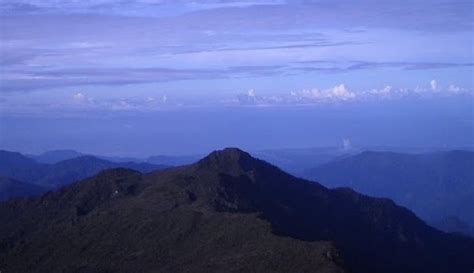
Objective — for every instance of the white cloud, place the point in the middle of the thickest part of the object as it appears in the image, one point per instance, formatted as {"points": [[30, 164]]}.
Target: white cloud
{"points": [[434, 85], [455, 89], [346, 144], [338, 92], [250, 98], [251, 93], [387, 92], [80, 97]]}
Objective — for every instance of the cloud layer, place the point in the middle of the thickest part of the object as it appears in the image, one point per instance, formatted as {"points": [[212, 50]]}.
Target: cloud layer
{"points": [[340, 94], [207, 52]]}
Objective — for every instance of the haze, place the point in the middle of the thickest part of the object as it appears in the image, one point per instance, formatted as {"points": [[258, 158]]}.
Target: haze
{"points": [[139, 78]]}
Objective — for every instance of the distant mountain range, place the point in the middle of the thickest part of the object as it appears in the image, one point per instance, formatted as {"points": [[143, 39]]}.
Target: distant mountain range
{"points": [[229, 212], [435, 186], [55, 156], [51, 157], [173, 160], [296, 161], [293, 160], [26, 172]]}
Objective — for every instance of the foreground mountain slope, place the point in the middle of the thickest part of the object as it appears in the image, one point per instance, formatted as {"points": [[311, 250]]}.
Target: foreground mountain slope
{"points": [[228, 212], [10, 188], [455, 225], [120, 221], [433, 185]]}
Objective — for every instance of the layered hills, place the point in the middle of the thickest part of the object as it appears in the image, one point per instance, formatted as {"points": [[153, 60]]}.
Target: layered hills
{"points": [[32, 177], [436, 186], [229, 212]]}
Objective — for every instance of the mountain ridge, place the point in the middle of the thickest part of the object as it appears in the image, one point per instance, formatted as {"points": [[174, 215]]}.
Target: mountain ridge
{"points": [[247, 196], [434, 185], [18, 167]]}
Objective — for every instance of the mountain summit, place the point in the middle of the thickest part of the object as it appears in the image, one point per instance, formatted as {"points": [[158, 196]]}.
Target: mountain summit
{"points": [[228, 212]]}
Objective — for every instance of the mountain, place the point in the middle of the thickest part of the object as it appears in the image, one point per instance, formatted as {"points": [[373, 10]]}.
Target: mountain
{"points": [[297, 161], [55, 156], [10, 188], [229, 212], [454, 224], [434, 185], [124, 159], [173, 160], [19, 167], [67, 171]]}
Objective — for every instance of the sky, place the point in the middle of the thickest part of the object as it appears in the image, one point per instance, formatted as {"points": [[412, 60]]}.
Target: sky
{"points": [[146, 77]]}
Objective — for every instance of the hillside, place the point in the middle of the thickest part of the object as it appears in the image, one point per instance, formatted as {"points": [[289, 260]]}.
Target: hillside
{"points": [[229, 212], [434, 185], [13, 188], [19, 167]]}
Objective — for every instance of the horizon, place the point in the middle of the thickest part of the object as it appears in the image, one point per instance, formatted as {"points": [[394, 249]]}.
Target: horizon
{"points": [[413, 150]]}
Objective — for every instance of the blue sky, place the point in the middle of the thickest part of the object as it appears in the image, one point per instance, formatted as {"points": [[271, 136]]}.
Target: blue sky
{"points": [[146, 59]]}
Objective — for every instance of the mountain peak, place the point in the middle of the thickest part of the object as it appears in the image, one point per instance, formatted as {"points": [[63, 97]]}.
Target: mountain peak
{"points": [[228, 160], [229, 153]]}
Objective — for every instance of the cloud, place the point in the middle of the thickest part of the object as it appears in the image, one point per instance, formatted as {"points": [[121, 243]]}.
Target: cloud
{"points": [[338, 92], [350, 66], [434, 85], [455, 89], [129, 7], [56, 49], [251, 98], [59, 44], [80, 97], [251, 93], [438, 14], [307, 96], [341, 94], [24, 80], [346, 144]]}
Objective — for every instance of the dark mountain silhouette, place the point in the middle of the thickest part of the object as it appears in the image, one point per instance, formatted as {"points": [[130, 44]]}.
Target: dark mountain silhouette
{"points": [[228, 212], [455, 225], [13, 188], [433, 185], [19, 167]]}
